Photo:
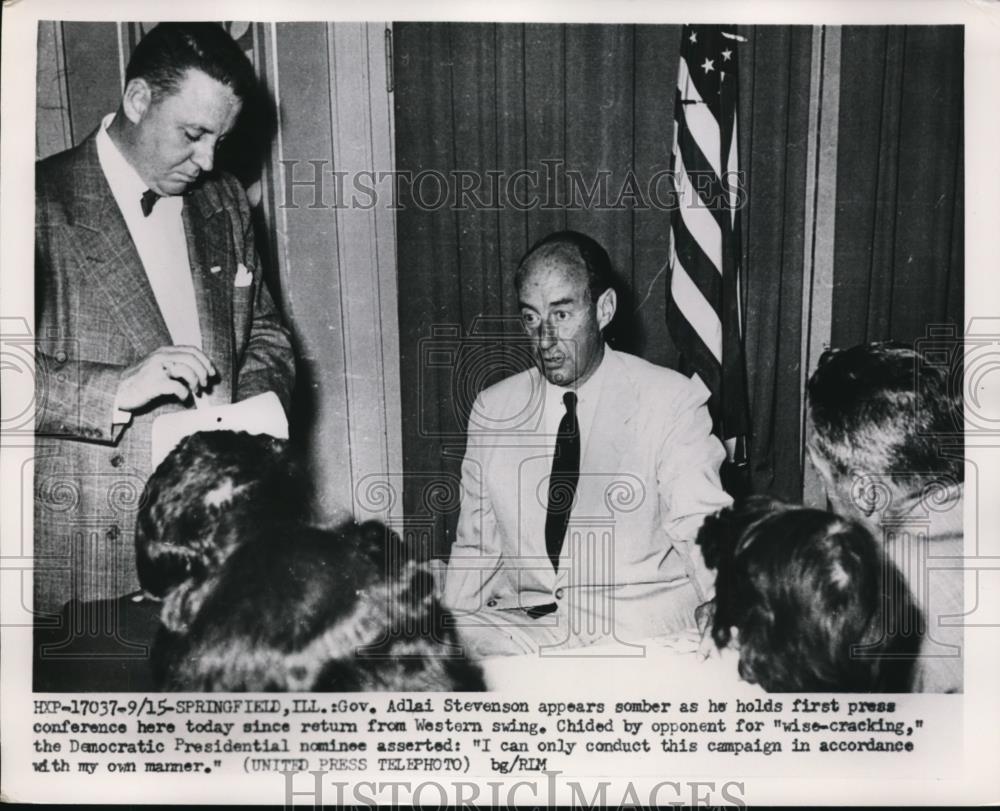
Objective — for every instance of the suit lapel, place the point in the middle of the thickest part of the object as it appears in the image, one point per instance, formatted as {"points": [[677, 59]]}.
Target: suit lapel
{"points": [[206, 227], [112, 262], [610, 430], [522, 445]]}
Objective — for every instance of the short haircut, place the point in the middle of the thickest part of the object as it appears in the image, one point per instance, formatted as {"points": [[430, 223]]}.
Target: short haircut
{"points": [[882, 409], [574, 250], [210, 475], [166, 53], [300, 608], [816, 604]]}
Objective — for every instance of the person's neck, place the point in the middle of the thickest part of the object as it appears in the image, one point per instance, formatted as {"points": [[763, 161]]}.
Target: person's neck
{"points": [[582, 381], [120, 133]]}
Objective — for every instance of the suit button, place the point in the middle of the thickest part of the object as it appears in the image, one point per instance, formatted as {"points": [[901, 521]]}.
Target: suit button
{"points": [[60, 356], [559, 594], [491, 603], [117, 460]]}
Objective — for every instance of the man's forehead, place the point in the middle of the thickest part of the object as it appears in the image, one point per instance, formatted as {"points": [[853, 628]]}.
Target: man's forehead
{"points": [[196, 86], [554, 270], [201, 101]]}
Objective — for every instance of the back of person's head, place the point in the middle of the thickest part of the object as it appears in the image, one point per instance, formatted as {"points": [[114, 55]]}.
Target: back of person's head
{"points": [[574, 250], [299, 608], [169, 50], [881, 410], [811, 602], [210, 478]]}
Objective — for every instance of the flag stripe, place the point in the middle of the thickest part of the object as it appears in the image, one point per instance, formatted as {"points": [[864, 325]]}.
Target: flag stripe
{"points": [[700, 121], [703, 314], [701, 225], [697, 356], [702, 270], [699, 313], [704, 179]]}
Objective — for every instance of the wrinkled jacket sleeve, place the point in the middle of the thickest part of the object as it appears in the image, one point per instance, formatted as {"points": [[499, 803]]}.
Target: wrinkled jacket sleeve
{"points": [[74, 398], [476, 555], [688, 481]]}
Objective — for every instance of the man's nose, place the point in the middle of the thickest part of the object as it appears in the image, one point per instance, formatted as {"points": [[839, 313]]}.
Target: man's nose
{"points": [[547, 335], [204, 156]]}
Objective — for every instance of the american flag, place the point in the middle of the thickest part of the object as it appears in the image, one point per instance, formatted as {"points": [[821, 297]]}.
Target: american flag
{"points": [[703, 307]]}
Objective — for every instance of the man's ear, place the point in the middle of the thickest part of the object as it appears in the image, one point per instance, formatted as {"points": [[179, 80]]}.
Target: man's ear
{"points": [[607, 304], [137, 99]]}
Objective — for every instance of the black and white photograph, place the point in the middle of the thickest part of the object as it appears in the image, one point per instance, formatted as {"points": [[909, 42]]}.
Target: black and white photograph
{"points": [[613, 374]]}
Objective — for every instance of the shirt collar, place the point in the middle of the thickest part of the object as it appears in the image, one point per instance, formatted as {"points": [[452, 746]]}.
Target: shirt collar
{"points": [[126, 184]]}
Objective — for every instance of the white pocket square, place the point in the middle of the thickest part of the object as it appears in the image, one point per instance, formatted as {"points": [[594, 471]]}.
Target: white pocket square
{"points": [[244, 278]]}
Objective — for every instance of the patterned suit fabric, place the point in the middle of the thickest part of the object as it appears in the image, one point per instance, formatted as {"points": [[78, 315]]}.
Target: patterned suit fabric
{"points": [[95, 316]]}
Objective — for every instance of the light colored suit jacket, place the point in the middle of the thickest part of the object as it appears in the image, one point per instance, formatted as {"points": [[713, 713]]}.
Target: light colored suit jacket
{"points": [[96, 315], [648, 477]]}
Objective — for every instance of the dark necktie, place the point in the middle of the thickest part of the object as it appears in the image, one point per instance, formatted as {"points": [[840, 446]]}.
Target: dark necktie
{"points": [[147, 201], [562, 482]]}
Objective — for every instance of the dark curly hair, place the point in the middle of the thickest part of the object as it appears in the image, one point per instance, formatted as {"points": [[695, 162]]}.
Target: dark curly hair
{"points": [[254, 598], [299, 608], [883, 409], [815, 603], [210, 478]]}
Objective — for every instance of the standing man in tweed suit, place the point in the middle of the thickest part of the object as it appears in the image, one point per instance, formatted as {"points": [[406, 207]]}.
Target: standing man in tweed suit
{"points": [[149, 293]]}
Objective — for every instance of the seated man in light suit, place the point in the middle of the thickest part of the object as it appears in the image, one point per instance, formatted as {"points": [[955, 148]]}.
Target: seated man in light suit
{"points": [[585, 479]]}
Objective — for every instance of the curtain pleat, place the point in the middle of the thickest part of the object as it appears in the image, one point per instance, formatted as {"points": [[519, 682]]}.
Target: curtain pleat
{"points": [[899, 255], [774, 109]]}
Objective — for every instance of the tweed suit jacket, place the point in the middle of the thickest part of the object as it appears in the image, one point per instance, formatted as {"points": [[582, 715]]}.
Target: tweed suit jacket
{"points": [[95, 316], [648, 476]]}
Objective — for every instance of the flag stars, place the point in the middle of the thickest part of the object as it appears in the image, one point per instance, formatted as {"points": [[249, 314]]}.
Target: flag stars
{"points": [[727, 55], [693, 38], [708, 65]]}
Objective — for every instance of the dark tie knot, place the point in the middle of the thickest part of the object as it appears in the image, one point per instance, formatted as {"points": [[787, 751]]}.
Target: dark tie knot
{"points": [[569, 400], [147, 201]]}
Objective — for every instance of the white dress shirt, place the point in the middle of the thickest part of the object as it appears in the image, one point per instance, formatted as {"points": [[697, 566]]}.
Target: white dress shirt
{"points": [[586, 405], [159, 240]]}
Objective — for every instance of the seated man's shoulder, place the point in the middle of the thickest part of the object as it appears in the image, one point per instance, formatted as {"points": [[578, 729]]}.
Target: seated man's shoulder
{"points": [[521, 383], [661, 380], [506, 403]]}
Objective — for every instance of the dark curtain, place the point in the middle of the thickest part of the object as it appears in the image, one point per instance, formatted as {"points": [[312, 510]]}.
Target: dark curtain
{"points": [[899, 256], [561, 99], [774, 110], [597, 101]]}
